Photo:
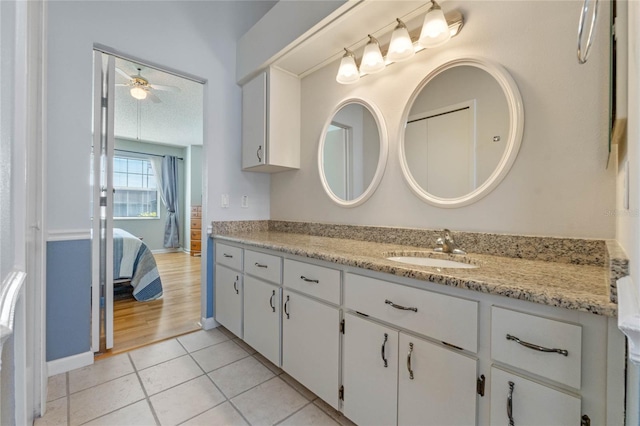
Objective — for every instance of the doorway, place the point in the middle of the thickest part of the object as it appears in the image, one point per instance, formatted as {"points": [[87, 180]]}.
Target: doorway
{"points": [[150, 181]]}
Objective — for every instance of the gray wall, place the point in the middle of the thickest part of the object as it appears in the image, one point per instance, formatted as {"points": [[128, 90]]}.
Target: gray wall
{"points": [[558, 185], [152, 230]]}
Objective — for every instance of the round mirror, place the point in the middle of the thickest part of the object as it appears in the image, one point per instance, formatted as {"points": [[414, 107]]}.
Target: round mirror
{"points": [[353, 152], [463, 129]]}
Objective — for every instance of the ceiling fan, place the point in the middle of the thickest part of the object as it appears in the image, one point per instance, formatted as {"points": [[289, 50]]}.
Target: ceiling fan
{"points": [[140, 88]]}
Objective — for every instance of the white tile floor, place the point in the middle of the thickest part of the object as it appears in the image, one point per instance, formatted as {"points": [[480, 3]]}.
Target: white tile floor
{"points": [[202, 378]]}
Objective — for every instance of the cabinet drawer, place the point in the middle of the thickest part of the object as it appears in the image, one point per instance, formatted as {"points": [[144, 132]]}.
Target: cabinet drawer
{"points": [[531, 402], [313, 280], [196, 223], [229, 256], [445, 318], [540, 332], [196, 211], [261, 265], [196, 245], [195, 234]]}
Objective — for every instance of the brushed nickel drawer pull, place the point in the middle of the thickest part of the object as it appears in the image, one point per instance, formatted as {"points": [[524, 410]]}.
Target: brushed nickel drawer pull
{"points": [[403, 308], [384, 344], [409, 361], [260, 265], [510, 404], [273, 296], [303, 278], [286, 305], [536, 347], [227, 255], [235, 284]]}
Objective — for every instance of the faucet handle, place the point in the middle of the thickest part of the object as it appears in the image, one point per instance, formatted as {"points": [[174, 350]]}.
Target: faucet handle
{"points": [[439, 241]]}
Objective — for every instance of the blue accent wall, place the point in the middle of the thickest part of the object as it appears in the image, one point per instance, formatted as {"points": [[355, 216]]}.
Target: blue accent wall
{"points": [[210, 293], [68, 298]]}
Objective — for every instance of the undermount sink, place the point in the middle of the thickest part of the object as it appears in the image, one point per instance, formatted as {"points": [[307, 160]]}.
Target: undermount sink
{"points": [[428, 261]]}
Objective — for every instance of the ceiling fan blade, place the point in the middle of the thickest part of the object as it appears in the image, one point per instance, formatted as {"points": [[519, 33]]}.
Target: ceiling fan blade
{"points": [[153, 97], [124, 74], [166, 88]]}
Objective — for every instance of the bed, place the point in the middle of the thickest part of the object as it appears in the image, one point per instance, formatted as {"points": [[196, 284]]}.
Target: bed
{"points": [[134, 262]]}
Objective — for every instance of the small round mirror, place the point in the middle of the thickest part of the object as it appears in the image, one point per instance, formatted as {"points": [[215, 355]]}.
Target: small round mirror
{"points": [[463, 129], [353, 152]]}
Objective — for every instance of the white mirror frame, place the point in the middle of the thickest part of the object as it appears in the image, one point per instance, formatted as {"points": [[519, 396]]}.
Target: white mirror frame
{"points": [[382, 158], [514, 140]]}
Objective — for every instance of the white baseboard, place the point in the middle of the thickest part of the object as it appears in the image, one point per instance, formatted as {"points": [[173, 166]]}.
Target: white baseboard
{"points": [[62, 365], [209, 323], [68, 234]]}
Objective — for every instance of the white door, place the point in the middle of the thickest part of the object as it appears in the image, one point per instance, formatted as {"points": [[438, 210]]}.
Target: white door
{"points": [[336, 161], [530, 403], [310, 342], [437, 386], [370, 372], [102, 212], [262, 318], [254, 121], [229, 299]]}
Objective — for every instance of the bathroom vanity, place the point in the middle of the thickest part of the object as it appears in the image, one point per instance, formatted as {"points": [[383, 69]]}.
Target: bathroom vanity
{"points": [[386, 342]]}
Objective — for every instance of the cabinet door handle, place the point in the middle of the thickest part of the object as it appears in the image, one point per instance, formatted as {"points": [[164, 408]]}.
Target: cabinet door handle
{"points": [[286, 307], [510, 404], [402, 308], [536, 347], [384, 344], [309, 280], [409, 361], [273, 295], [227, 255], [260, 265], [235, 284], [259, 153]]}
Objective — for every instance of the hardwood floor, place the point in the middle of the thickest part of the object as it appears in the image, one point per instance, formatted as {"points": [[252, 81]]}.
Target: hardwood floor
{"points": [[138, 324]]}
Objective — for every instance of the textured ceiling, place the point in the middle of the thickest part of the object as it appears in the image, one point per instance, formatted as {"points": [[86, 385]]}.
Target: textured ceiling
{"points": [[176, 120]]}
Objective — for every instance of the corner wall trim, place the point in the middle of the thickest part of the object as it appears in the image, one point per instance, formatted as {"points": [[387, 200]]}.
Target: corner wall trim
{"points": [[62, 365], [209, 323], [69, 234]]}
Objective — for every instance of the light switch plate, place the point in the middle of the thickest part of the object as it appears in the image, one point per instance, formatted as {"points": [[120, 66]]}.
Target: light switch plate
{"points": [[245, 202], [224, 201]]}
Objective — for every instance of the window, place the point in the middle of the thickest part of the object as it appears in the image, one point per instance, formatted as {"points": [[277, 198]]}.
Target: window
{"points": [[136, 194]]}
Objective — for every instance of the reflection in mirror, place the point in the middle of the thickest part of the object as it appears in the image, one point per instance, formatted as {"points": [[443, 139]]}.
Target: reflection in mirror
{"points": [[350, 153], [462, 132]]}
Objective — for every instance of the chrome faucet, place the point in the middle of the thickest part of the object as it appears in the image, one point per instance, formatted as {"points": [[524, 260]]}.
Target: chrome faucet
{"points": [[448, 244]]}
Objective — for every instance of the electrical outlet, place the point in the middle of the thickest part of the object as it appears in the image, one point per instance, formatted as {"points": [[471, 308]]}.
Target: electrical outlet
{"points": [[224, 201], [245, 201]]}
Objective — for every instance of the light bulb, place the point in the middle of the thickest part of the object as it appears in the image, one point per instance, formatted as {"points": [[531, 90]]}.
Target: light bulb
{"points": [[138, 93], [435, 30], [401, 46], [348, 72], [372, 61]]}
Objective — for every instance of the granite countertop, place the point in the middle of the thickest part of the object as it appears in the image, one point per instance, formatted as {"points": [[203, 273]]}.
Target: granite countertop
{"points": [[570, 286]]}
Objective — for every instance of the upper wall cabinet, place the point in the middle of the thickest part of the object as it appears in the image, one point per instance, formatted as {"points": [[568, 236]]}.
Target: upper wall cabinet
{"points": [[271, 122]]}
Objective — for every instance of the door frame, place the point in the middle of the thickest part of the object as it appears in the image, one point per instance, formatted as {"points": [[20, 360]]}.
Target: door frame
{"points": [[205, 322]]}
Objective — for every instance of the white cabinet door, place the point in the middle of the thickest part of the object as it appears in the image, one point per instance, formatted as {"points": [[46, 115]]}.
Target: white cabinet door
{"points": [[443, 388], [530, 403], [254, 122], [370, 372], [228, 293], [262, 318], [310, 341]]}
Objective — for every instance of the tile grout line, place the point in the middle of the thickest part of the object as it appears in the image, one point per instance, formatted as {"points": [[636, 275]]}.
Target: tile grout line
{"points": [[294, 413], [144, 390]]}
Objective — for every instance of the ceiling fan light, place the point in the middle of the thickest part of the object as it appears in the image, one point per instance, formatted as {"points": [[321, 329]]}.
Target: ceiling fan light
{"points": [[435, 29], [348, 72], [372, 60], [138, 93], [401, 46]]}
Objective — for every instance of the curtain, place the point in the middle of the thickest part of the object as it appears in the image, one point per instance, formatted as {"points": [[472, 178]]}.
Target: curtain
{"points": [[166, 172]]}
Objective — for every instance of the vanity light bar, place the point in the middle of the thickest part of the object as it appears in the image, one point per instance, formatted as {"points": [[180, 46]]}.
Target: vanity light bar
{"points": [[454, 19]]}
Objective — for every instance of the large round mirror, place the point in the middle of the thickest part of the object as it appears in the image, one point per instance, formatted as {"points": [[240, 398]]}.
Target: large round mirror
{"points": [[463, 129], [353, 152]]}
